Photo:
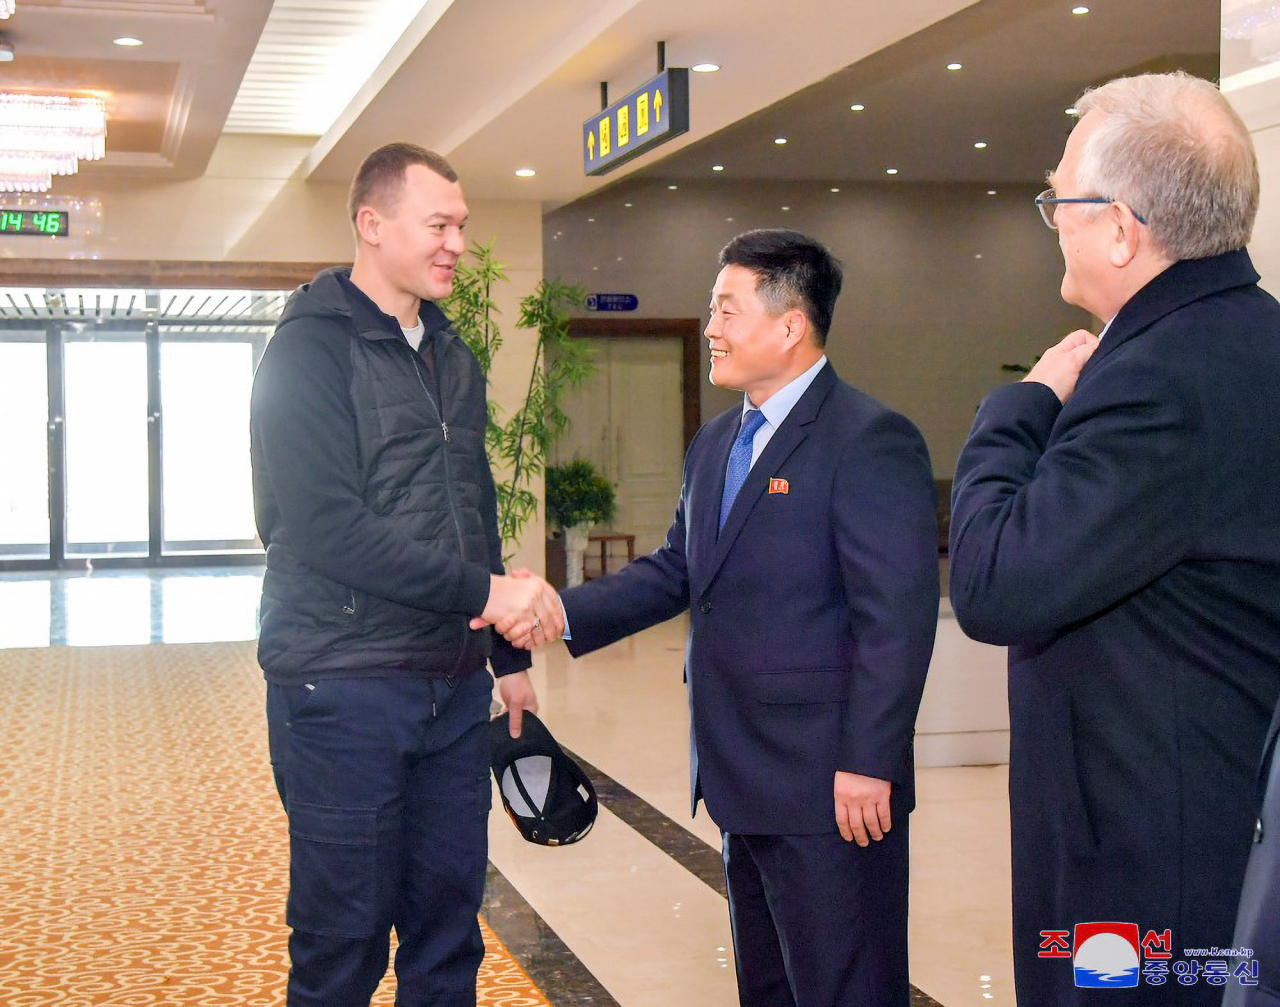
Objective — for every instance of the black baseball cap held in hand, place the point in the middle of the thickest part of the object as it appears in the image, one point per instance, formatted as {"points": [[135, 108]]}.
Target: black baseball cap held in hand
{"points": [[548, 796]]}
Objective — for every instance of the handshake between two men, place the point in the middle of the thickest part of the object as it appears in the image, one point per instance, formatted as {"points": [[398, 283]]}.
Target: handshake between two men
{"points": [[524, 608]]}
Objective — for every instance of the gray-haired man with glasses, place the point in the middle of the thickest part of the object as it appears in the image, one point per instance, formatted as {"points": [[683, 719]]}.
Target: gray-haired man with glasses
{"points": [[1116, 523]]}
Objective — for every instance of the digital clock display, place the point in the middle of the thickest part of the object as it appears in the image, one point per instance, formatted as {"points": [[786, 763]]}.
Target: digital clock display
{"points": [[49, 222]]}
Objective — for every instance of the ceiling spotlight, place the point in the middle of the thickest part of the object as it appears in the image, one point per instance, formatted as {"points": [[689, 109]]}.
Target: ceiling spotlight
{"points": [[127, 40], [705, 67], [1080, 10], [991, 192], [890, 171], [779, 140], [856, 108], [717, 167], [785, 208], [525, 173], [835, 188], [591, 220], [627, 205], [673, 186], [955, 66], [1072, 110], [980, 145]]}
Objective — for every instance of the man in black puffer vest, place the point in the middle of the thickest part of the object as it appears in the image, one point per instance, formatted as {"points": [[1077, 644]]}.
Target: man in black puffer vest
{"points": [[374, 500]]}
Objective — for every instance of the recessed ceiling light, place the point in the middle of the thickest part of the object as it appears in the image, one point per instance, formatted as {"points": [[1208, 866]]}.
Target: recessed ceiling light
{"points": [[525, 173], [786, 208], [705, 67], [729, 219], [779, 140], [980, 145], [673, 186], [856, 108], [835, 188], [127, 40], [955, 66], [991, 192], [717, 167], [591, 220], [627, 205], [890, 171], [1080, 10], [1071, 111]]}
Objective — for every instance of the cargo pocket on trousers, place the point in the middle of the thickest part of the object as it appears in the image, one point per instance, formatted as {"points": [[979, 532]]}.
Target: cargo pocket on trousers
{"points": [[333, 873]]}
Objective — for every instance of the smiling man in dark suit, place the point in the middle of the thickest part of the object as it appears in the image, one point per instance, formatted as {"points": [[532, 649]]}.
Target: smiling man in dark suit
{"points": [[1116, 522], [805, 549]]}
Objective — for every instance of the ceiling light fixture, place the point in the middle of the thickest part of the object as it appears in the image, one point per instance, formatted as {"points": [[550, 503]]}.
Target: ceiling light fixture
{"points": [[127, 40], [525, 172], [779, 140], [955, 66], [1072, 110], [856, 108], [627, 205], [717, 167], [835, 189], [42, 135], [991, 192], [673, 186], [980, 145], [890, 171], [7, 7], [1080, 10], [705, 67]]}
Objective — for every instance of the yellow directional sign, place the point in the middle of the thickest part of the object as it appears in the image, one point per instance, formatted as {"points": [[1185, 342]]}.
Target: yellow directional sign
{"points": [[647, 117]]}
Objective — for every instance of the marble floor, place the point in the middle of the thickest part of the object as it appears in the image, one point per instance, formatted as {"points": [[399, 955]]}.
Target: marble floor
{"points": [[635, 914]]}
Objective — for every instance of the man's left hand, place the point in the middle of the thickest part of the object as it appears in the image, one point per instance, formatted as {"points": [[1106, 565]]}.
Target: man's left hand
{"points": [[517, 695], [862, 807]]}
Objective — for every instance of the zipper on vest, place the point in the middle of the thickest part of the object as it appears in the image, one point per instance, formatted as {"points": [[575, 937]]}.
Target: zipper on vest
{"points": [[448, 475]]}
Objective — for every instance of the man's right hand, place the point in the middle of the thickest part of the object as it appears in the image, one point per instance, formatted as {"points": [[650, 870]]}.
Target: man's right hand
{"points": [[524, 608], [1060, 366]]}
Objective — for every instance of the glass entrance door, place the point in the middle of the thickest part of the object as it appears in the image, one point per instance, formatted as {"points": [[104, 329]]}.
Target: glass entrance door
{"points": [[24, 446], [107, 425]]}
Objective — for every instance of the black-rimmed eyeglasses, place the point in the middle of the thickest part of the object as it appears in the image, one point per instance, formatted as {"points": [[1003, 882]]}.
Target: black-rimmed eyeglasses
{"points": [[1047, 204]]}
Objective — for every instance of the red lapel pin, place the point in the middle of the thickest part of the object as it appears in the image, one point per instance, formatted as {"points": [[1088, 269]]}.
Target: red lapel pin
{"points": [[779, 486]]}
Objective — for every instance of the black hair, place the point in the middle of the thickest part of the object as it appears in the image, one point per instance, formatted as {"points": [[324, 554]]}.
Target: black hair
{"points": [[792, 271]]}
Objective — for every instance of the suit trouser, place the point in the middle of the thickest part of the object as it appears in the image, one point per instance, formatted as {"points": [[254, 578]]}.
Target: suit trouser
{"points": [[386, 785], [818, 922]]}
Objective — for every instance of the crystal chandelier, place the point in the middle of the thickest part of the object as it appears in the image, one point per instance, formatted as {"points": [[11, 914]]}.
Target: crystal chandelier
{"points": [[42, 135]]}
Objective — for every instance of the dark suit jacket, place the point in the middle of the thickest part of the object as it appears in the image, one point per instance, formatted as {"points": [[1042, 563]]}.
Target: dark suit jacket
{"points": [[1258, 922], [812, 613], [1127, 547]]}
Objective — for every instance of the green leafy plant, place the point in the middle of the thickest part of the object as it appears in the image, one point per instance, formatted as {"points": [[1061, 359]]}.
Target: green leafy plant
{"points": [[517, 445], [578, 494]]}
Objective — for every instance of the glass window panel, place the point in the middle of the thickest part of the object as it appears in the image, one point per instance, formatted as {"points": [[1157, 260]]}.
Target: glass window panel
{"points": [[25, 604], [210, 609], [104, 611], [24, 450], [208, 494], [106, 445]]}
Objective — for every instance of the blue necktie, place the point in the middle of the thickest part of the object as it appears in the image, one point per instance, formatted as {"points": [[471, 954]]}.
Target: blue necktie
{"points": [[739, 461]]}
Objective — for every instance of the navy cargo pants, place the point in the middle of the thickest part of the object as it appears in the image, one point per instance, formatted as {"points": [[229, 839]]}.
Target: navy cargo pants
{"points": [[386, 785]]}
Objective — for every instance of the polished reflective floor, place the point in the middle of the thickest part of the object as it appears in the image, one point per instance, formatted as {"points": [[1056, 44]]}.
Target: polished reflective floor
{"points": [[635, 914]]}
